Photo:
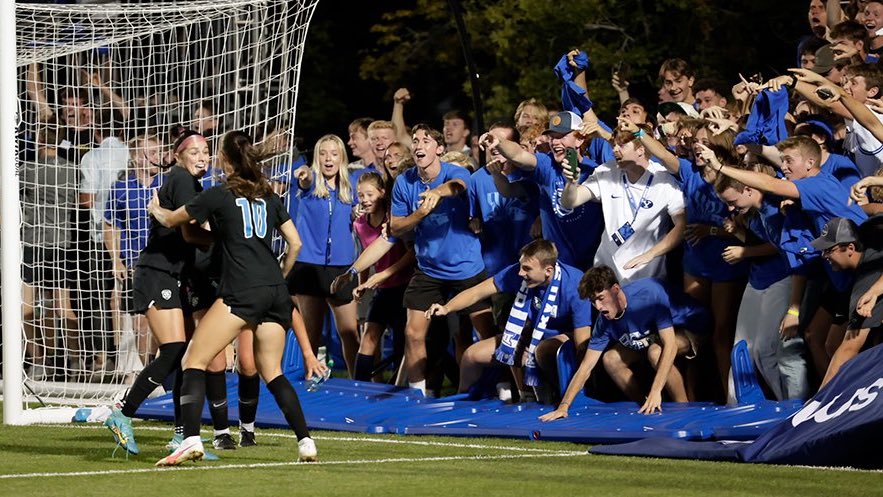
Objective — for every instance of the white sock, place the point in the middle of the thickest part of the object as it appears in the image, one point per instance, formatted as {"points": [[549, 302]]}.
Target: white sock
{"points": [[419, 385], [221, 432], [504, 392], [247, 426]]}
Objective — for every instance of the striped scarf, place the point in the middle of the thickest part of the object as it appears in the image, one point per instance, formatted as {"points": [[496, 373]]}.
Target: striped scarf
{"points": [[505, 353]]}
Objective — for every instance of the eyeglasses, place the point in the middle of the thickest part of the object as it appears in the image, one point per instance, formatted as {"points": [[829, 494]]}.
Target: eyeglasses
{"points": [[828, 251]]}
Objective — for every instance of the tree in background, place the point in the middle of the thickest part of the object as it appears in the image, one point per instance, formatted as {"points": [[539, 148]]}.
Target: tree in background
{"points": [[517, 42]]}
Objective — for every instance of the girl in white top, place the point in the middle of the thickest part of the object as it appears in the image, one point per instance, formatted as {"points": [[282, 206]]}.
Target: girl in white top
{"points": [[643, 208]]}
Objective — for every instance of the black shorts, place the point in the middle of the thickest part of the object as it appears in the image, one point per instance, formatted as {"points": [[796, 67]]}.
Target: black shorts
{"points": [[315, 280], [50, 267], [156, 288], [127, 297], [262, 304], [836, 303], [201, 292], [386, 307], [424, 290]]}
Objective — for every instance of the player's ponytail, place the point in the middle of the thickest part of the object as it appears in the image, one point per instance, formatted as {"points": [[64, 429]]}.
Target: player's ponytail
{"points": [[245, 178]]}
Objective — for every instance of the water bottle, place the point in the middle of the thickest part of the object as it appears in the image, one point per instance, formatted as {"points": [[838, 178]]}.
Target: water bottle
{"points": [[317, 380]]}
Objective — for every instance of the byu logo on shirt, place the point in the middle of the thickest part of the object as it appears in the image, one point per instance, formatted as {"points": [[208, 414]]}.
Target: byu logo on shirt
{"points": [[646, 203]]}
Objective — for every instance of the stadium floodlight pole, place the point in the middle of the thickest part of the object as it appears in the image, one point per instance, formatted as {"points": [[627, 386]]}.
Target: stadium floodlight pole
{"points": [[10, 237], [466, 42]]}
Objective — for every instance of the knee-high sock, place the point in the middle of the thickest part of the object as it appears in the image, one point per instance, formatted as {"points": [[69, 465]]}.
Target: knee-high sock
{"points": [[216, 392], [288, 402], [176, 399], [153, 375], [249, 389], [364, 366], [192, 400]]}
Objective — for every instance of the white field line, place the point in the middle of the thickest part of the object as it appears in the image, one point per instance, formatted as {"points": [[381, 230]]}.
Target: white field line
{"points": [[368, 439], [284, 464]]}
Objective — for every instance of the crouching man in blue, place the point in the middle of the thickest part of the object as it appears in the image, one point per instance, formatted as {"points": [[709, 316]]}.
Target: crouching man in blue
{"points": [[642, 318], [547, 312]]}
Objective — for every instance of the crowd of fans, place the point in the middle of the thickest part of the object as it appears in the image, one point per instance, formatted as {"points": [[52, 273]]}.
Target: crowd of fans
{"points": [[651, 241]]}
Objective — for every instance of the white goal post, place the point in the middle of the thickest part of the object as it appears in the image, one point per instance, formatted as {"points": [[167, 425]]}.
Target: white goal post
{"points": [[90, 100]]}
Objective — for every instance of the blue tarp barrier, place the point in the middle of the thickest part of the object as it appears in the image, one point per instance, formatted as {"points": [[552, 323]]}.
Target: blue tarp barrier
{"points": [[842, 425]]}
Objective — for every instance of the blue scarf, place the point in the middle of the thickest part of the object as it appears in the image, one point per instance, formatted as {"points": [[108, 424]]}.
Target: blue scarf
{"points": [[573, 96], [505, 353], [766, 122]]}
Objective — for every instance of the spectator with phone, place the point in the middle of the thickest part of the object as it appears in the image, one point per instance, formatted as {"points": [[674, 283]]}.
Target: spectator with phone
{"points": [[575, 231], [643, 208]]}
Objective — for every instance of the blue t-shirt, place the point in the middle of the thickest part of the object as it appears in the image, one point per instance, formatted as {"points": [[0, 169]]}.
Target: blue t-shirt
{"points": [[126, 209], [505, 222], [767, 224], [600, 151], [703, 206], [326, 228], [571, 312], [576, 232], [213, 177], [823, 198], [842, 168], [445, 247], [651, 307]]}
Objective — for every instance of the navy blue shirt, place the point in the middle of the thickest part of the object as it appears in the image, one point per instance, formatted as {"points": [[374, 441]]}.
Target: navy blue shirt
{"points": [[505, 221], [445, 247], [126, 209], [703, 206], [576, 232], [767, 224], [571, 312], [650, 307]]}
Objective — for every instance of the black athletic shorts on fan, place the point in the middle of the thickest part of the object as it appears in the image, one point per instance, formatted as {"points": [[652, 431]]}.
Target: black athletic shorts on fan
{"points": [[244, 237], [424, 290], [315, 280], [166, 249], [386, 307]]}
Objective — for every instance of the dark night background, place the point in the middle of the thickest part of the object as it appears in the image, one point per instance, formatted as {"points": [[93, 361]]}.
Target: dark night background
{"points": [[332, 93]]}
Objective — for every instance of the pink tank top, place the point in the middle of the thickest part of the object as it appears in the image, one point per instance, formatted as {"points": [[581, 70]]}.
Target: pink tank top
{"points": [[367, 234]]}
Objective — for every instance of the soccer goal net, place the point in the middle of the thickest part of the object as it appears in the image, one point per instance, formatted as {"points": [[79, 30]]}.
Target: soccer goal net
{"points": [[102, 92]]}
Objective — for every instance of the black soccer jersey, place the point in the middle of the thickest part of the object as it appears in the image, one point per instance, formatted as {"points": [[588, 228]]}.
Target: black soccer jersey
{"points": [[166, 249], [244, 234]]}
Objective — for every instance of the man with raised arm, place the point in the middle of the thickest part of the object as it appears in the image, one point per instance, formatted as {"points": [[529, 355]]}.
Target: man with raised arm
{"points": [[642, 204], [575, 231], [547, 312]]}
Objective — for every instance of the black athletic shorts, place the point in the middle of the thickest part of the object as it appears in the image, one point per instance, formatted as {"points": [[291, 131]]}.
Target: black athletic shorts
{"points": [[315, 280], [49, 267], [423, 291], [262, 304], [156, 288], [386, 307]]}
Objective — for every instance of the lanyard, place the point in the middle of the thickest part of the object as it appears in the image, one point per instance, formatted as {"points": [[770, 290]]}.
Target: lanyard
{"points": [[628, 194]]}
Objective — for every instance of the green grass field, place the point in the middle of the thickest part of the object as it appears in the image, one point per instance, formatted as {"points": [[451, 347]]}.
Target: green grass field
{"points": [[76, 460]]}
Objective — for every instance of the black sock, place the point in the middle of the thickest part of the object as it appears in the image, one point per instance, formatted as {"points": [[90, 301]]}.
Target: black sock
{"points": [[153, 375], [192, 400], [364, 367], [286, 399], [249, 389], [216, 392], [176, 397]]}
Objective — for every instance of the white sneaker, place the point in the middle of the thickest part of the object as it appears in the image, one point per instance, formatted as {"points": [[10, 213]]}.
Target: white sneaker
{"points": [[306, 450], [191, 449]]}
